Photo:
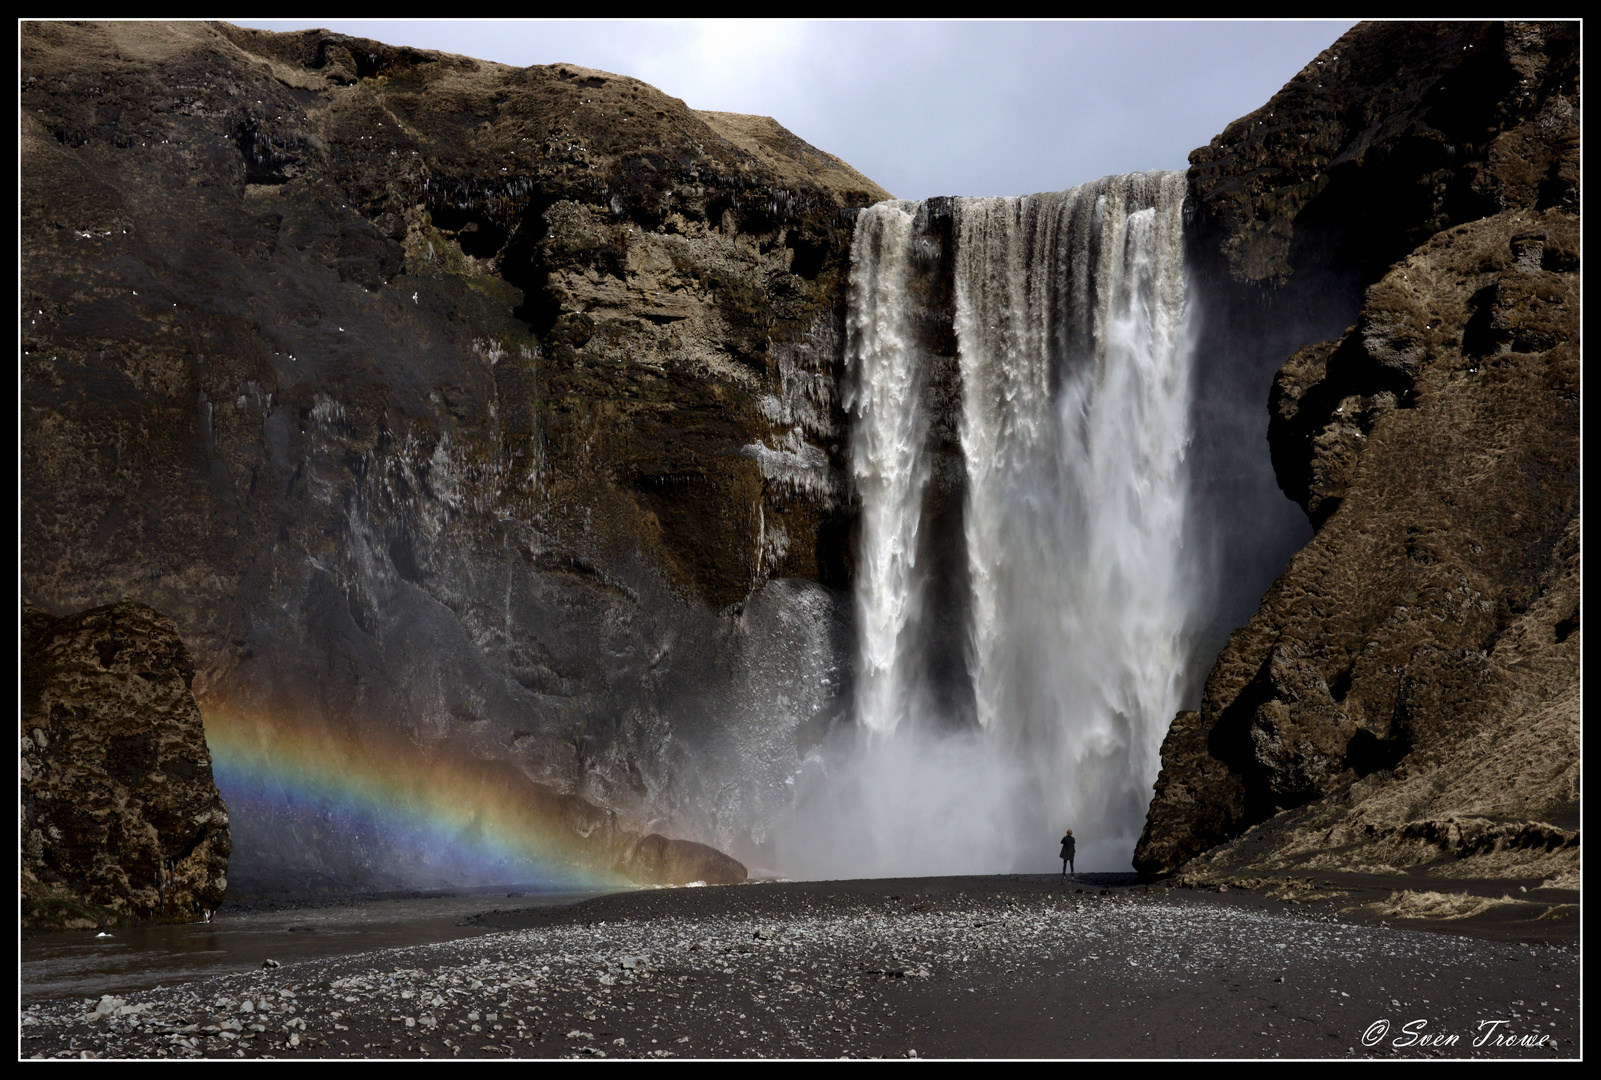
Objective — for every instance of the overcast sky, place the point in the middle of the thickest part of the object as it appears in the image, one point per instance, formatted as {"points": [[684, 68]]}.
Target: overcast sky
{"points": [[931, 108]]}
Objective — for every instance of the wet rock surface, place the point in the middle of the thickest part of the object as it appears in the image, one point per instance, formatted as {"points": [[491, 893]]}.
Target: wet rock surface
{"points": [[487, 408], [121, 820], [1004, 967], [1406, 697]]}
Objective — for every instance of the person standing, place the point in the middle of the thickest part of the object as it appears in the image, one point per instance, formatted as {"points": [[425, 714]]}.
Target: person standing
{"points": [[1067, 853]]}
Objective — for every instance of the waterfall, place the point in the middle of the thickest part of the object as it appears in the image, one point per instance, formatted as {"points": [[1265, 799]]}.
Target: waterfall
{"points": [[1075, 359], [1074, 355], [884, 392]]}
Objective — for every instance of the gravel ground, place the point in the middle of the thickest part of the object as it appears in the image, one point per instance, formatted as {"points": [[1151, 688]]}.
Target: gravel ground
{"points": [[955, 967]]}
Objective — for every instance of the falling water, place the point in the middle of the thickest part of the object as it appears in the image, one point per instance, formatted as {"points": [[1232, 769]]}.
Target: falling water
{"points": [[1074, 356], [1075, 360], [887, 460]]}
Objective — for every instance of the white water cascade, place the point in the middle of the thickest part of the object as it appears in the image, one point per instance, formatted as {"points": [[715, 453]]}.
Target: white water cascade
{"points": [[887, 460], [1074, 353]]}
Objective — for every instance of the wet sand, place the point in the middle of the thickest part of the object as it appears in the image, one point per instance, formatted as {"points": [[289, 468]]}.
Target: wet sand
{"points": [[1013, 967]]}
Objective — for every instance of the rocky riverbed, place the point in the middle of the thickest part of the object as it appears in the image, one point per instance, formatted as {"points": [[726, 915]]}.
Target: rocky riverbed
{"points": [[1017, 966]]}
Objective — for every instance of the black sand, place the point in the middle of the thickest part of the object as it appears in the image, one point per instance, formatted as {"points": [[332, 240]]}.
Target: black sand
{"points": [[1015, 966]]}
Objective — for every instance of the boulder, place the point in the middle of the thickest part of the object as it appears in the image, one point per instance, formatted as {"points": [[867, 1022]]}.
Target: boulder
{"points": [[121, 820], [657, 859]]}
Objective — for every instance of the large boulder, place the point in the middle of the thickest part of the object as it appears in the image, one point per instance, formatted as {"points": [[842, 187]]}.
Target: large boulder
{"points": [[120, 818], [655, 858]]}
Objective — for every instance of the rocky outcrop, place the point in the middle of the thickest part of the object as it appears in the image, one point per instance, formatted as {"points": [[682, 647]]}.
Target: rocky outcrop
{"points": [[120, 818], [494, 407], [1392, 134], [682, 862], [1407, 694]]}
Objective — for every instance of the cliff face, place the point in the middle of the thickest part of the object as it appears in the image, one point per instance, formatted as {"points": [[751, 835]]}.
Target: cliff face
{"points": [[120, 817], [494, 407], [1407, 694], [496, 412]]}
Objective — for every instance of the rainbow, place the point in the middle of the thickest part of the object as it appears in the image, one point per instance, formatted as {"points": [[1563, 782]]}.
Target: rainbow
{"points": [[429, 812]]}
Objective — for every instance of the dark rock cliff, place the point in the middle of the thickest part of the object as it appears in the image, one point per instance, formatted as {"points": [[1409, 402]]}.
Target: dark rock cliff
{"points": [[120, 818], [1407, 693], [494, 407]]}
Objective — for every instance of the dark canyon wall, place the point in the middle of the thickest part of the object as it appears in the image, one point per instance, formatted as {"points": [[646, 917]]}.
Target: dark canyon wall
{"points": [[491, 407], [1407, 693]]}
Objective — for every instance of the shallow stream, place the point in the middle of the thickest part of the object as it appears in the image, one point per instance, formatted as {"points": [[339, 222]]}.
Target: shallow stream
{"points": [[80, 963]]}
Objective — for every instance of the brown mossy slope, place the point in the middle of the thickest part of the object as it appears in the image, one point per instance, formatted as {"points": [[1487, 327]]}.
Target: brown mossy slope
{"points": [[1406, 698]]}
